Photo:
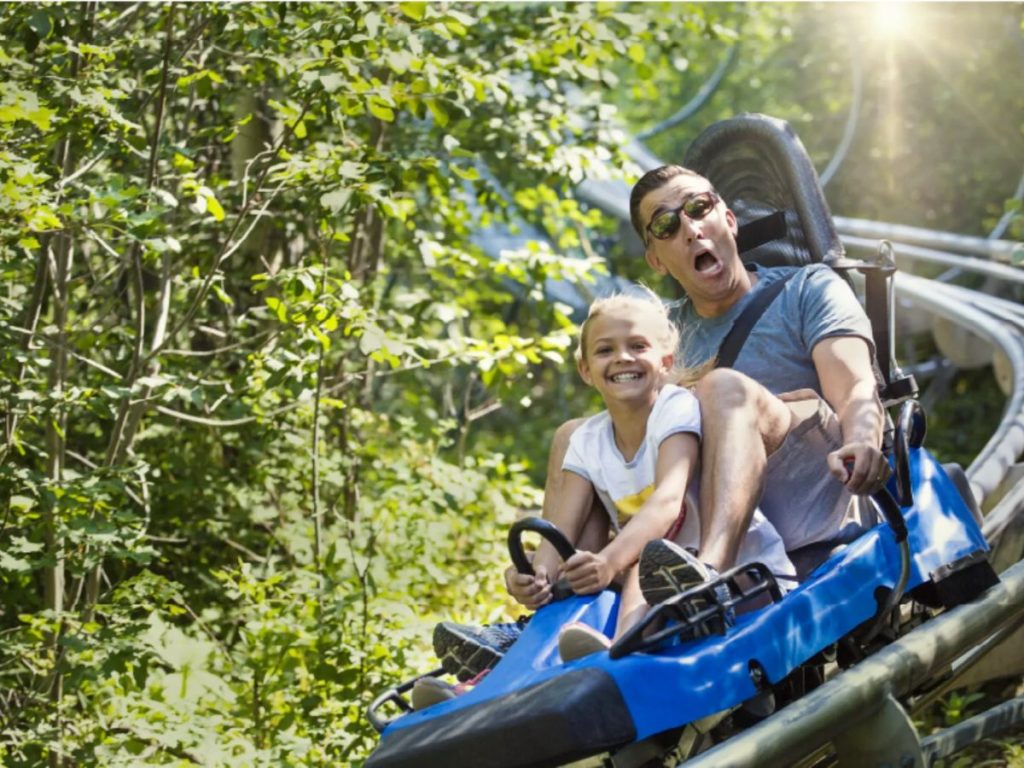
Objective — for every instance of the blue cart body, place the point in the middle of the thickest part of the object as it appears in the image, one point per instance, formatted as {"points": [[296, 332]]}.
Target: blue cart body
{"points": [[532, 709]]}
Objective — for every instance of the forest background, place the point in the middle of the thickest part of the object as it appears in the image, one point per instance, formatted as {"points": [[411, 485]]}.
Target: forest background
{"points": [[271, 394]]}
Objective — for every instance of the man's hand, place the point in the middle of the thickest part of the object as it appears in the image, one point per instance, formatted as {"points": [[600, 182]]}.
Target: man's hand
{"points": [[861, 467], [529, 591], [588, 572]]}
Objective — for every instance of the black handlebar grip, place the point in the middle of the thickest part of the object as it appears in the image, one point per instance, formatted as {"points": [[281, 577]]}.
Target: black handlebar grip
{"points": [[910, 430], [545, 529]]}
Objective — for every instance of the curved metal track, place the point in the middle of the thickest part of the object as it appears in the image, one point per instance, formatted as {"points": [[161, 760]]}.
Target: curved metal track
{"points": [[998, 321]]}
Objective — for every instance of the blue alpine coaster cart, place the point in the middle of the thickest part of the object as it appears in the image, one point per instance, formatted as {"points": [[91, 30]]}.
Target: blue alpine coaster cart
{"points": [[659, 695]]}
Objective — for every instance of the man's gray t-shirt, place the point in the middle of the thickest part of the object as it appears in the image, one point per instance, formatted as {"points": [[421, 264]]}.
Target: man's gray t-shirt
{"points": [[815, 304]]}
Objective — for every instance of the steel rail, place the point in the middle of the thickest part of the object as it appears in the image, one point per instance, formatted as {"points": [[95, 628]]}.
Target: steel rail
{"points": [[992, 723], [929, 255], [808, 723], [1004, 221], [962, 664], [694, 105], [991, 319], [996, 250]]}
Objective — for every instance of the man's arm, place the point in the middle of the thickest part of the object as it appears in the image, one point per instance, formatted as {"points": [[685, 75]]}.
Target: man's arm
{"points": [[843, 364]]}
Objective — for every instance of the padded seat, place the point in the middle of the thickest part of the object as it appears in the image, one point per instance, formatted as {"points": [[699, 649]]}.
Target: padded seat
{"points": [[806, 559]]}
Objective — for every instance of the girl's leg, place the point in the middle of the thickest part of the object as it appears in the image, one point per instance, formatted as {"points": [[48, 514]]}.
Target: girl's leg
{"points": [[596, 529], [577, 639], [632, 606]]}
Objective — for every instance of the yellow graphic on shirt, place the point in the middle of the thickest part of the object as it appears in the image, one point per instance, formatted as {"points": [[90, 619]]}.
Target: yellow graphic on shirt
{"points": [[628, 506]]}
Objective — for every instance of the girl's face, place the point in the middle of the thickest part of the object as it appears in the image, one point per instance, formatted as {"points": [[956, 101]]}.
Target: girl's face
{"points": [[623, 358]]}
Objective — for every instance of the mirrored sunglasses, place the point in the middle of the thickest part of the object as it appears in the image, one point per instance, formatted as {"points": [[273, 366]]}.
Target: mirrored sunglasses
{"points": [[696, 207]]}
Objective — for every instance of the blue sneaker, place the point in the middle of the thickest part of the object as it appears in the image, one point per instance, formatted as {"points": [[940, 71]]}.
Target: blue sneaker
{"points": [[466, 651], [666, 570]]}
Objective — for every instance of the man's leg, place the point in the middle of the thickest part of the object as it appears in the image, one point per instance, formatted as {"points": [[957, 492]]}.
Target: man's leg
{"points": [[742, 425]]}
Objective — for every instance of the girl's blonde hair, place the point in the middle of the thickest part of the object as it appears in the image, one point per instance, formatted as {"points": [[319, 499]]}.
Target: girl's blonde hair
{"points": [[643, 301]]}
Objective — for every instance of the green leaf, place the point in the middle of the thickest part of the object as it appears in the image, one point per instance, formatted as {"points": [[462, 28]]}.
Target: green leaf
{"points": [[469, 174], [324, 340], [400, 61], [438, 111], [209, 204], [335, 201], [10, 563], [41, 117], [380, 110], [332, 82], [39, 22], [202, 74], [372, 22], [414, 11], [220, 294]]}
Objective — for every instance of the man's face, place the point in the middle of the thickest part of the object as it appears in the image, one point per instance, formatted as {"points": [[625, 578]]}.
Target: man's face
{"points": [[700, 255]]}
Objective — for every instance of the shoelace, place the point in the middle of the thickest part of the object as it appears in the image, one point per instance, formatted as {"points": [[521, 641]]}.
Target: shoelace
{"points": [[461, 688]]}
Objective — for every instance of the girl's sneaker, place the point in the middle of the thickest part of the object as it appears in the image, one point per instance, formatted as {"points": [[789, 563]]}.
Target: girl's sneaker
{"points": [[428, 691], [465, 650], [577, 640]]}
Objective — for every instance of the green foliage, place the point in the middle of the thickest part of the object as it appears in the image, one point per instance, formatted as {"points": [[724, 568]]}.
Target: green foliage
{"points": [[960, 705], [252, 327], [936, 123]]}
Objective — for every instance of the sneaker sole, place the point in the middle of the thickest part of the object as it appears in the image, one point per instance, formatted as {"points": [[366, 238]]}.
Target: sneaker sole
{"points": [[460, 655], [663, 575]]}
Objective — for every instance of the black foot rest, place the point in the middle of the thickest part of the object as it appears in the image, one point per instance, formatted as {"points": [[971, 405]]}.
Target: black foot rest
{"points": [[395, 696], [698, 611]]}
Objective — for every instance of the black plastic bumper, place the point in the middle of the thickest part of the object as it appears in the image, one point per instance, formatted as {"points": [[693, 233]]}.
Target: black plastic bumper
{"points": [[551, 723]]}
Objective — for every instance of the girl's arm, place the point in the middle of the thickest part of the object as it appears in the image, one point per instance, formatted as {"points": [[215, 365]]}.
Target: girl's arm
{"points": [[577, 500], [677, 459]]}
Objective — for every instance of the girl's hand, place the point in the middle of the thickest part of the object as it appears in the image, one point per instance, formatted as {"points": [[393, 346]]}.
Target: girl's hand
{"points": [[588, 572], [529, 591]]}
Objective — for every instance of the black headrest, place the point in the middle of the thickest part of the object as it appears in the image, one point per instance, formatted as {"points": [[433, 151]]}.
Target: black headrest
{"points": [[759, 166]]}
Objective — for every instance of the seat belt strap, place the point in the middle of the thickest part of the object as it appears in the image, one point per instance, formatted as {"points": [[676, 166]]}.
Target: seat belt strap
{"points": [[741, 327]]}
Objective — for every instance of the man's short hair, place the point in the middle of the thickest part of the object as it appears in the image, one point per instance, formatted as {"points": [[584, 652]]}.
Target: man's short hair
{"points": [[649, 182]]}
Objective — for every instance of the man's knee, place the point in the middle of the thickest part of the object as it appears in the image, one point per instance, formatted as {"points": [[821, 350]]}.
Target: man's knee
{"points": [[730, 397], [724, 388]]}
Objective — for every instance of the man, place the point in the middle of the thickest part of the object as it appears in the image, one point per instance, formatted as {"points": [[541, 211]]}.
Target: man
{"points": [[803, 384]]}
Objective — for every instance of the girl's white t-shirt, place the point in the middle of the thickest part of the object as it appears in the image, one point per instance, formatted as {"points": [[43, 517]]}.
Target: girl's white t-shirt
{"points": [[623, 486]]}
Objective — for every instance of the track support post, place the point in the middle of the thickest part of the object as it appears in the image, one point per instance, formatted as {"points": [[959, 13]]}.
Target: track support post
{"points": [[885, 738]]}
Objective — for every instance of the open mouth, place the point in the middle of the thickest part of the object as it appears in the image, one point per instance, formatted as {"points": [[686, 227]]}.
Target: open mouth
{"points": [[621, 377], [705, 262]]}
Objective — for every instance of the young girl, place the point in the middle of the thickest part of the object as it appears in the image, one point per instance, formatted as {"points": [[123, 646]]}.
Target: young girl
{"points": [[639, 458]]}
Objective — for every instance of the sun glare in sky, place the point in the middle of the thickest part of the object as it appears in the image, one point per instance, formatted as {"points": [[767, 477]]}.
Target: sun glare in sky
{"points": [[891, 19]]}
